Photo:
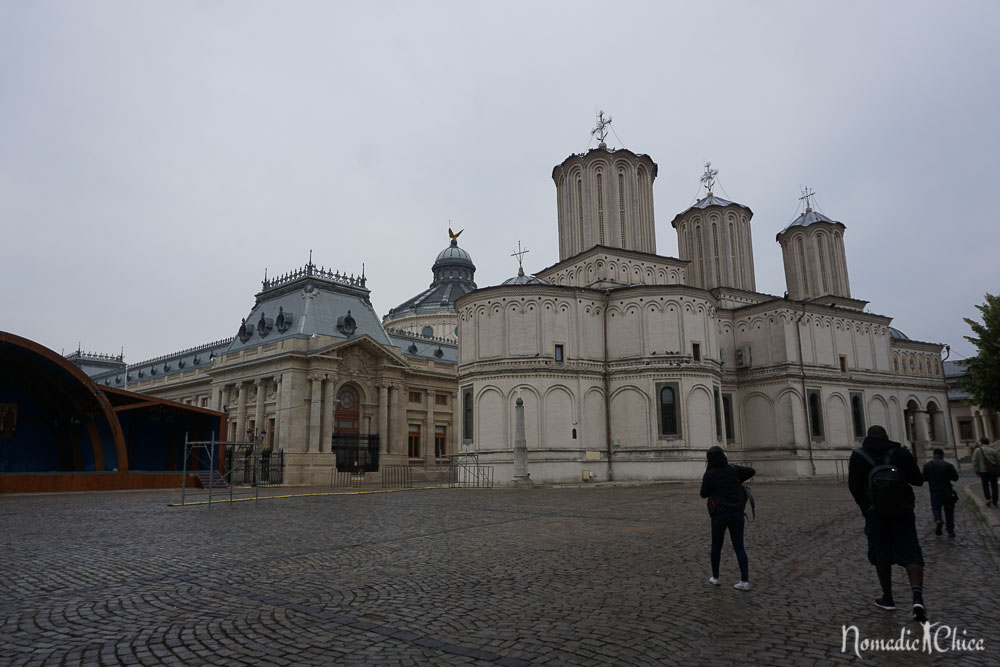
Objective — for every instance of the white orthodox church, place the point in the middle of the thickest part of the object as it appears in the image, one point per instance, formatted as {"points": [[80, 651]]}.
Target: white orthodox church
{"points": [[630, 364]]}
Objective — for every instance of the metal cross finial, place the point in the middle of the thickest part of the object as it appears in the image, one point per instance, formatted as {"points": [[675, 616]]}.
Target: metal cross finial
{"points": [[601, 131], [520, 256], [808, 194], [708, 178]]}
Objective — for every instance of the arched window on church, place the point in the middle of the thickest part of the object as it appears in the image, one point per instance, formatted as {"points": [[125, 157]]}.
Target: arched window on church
{"points": [[715, 244], [858, 415], [732, 254], [821, 251], [621, 206], [600, 206], [802, 267], [579, 209], [668, 411], [815, 415], [895, 363], [701, 255]]}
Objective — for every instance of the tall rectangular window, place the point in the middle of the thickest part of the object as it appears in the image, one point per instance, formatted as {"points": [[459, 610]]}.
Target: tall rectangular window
{"points": [[815, 414], [718, 414], [413, 441], [440, 439], [965, 431], [558, 355], [858, 414], [669, 414], [696, 351], [441, 399], [727, 414], [843, 363], [467, 414]]}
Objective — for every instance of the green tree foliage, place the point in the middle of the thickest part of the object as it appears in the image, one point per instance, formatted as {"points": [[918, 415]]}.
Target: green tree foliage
{"points": [[983, 381]]}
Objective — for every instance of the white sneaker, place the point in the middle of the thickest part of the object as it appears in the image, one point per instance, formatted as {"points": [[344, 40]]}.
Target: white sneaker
{"points": [[742, 586], [713, 581]]}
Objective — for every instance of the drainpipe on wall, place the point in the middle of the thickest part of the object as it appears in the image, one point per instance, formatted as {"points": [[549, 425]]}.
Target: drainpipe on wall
{"points": [[802, 379], [607, 389]]}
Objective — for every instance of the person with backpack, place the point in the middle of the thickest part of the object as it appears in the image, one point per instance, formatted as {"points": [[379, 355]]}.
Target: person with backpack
{"points": [[880, 474], [939, 475], [727, 498]]}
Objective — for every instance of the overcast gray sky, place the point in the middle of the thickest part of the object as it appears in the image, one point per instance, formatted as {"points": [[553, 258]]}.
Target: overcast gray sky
{"points": [[156, 157]]}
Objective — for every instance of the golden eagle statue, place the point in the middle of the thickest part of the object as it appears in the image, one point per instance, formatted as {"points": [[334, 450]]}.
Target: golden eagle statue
{"points": [[453, 235]]}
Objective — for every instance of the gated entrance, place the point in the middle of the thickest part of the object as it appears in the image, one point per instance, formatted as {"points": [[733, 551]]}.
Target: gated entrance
{"points": [[356, 453]]}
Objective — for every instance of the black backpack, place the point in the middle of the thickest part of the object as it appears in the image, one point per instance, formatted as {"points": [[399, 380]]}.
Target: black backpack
{"points": [[888, 489]]}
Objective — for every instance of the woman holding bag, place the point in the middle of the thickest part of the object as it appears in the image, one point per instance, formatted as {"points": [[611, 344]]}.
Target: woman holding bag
{"points": [[722, 485]]}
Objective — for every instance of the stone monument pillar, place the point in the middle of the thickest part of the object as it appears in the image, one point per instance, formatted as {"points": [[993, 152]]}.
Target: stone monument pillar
{"points": [[521, 476]]}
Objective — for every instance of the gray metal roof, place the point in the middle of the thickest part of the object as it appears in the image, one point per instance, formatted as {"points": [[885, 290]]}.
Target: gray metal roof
{"points": [[897, 334], [454, 275], [309, 301], [420, 347], [705, 202], [808, 218], [522, 279], [166, 365]]}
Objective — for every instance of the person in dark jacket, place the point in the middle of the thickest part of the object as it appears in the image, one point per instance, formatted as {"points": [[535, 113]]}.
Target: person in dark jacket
{"points": [[723, 486], [939, 475], [890, 540]]}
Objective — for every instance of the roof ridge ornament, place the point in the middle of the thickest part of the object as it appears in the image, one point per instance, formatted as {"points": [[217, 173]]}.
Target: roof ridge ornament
{"points": [[601, 130], [519, 253], [807, 195], [708, 178]]}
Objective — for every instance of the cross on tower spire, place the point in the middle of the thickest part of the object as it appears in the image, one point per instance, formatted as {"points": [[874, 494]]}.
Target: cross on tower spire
{"points": [[708, 178], [519, 253], [601, 130], [807, 195]]}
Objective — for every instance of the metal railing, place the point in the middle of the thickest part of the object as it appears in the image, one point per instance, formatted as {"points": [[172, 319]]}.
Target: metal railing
{"points": [[396, 477], [232, 464], [468, 473], [343, 479]]}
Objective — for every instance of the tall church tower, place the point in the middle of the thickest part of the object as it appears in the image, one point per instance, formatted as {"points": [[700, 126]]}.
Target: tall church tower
{"points": [[714, 235], [605, 197], [812, 246]]}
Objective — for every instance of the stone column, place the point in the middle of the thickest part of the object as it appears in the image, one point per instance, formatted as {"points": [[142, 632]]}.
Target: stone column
{"points": [[258, 415], [427, 441], [227, 397], [521, 475], [241, 411], [315, 407], [215, 402], [383, 419], [277, 411], [326, 430], [397, 442]]}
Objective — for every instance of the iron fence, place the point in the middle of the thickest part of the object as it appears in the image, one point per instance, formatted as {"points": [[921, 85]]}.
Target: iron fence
{"points": [[343, 479], [396, 477]]}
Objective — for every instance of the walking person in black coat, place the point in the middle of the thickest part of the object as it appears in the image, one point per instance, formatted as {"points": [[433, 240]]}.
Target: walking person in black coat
{"points": [[723, 486], [939, 475]]}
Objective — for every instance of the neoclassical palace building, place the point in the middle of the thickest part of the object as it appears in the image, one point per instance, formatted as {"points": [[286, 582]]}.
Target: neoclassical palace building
{"points": [[313, 372], [630, 364]]}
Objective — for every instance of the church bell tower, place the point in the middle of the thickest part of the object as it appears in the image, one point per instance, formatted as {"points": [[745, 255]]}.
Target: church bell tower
{"points": [[605, 197]]}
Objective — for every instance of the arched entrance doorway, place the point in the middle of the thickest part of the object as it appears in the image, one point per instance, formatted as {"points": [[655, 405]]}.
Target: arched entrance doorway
{"points": [[355, 452], [346, 415]]}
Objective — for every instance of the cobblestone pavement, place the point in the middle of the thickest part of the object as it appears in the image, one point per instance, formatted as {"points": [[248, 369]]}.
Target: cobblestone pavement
{"points": [[587, 576]]}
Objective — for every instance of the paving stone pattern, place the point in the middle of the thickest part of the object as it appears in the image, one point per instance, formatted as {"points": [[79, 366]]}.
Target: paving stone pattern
{"points": [[591, 576]]}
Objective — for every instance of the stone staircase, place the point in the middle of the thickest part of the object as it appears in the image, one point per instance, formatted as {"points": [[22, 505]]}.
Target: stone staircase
{"points": [[215, 480]]}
